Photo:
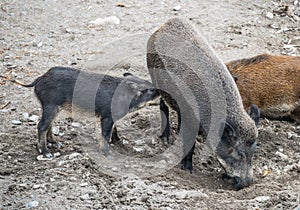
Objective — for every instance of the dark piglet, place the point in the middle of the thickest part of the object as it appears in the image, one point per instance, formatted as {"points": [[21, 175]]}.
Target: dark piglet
{"points": [[194, 82], [110, 98]]}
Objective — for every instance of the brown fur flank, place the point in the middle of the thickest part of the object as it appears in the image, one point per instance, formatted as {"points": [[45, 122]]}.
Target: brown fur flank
{"points": [[271, 82]]}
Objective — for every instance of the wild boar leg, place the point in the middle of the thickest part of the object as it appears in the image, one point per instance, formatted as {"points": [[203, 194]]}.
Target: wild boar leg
{"points": [[165, 122], [106, 127], [50, 138], [49, 113]]}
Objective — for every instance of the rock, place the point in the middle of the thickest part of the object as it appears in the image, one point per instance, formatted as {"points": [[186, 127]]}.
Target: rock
{"points": [[56, 154], [111, 20], [262, 198], [32, 204], [138, 142], [270, 15], [16, 122], [181, 195], [55, 130], [84, 184], [84, 197], [36, 186], [177, 8], [41, 158], [74, 155], [33, 118], [75, 124], [25, 116], [290, 135], [40, 44], [138, 149], [281, 155]]}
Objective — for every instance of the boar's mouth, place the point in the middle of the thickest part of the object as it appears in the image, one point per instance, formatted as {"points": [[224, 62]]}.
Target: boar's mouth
{"points": [[237, 182]]}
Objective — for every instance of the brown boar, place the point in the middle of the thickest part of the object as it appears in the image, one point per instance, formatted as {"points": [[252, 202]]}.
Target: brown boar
{"points": [[271, 82]]}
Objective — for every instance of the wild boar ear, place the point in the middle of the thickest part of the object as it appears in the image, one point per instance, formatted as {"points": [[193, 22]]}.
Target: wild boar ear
{"points": [[254, 113]]}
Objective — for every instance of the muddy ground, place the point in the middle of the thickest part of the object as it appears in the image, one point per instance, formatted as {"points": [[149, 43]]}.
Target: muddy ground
{"points": [[37, 35]]}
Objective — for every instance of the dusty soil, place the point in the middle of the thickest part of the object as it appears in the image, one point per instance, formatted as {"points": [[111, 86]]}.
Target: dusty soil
{"points": [[37, 35]]}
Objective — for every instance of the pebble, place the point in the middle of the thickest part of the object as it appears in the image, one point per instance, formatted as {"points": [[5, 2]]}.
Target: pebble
{"points": [[84, 184], [74, 155], [270, 15], [84, 197], [32, 204], [16, 122], [75, 124], [138, 149], [177, 8], [33, 118], [138, 142], [25, 116], [41, 158], [111, 20], [55, 130], [262, 198], [36, 186], [40, 44], [280, 154]]}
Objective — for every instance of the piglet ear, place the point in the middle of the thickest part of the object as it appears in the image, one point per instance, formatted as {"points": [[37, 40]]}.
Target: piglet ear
{"points": [[254, 113]]}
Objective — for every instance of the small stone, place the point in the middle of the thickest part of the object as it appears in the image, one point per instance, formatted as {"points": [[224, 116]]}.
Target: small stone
{"points": [[111, 20], [55, 130], [41, 158], [25, 116], [40, 44], [36, 186], [270, 15], [74, 155], [16, 122], [32, 204], [56, 154], [75, 124], [138, 149], [177, 8], [84, 184], [84, 197], [280, 149], [181, 195], [33, 118], [281, 155], [262, 198]]}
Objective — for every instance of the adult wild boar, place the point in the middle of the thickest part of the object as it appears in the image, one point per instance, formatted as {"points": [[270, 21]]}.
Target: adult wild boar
{"points": [[271, 82], [110, 98], [194, 82]]}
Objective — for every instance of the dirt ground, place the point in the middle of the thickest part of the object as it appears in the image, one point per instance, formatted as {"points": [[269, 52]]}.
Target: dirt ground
{"points": [[37, 35]]}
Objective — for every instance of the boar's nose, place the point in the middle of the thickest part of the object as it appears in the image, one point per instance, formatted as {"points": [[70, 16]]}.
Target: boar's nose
{"points": [[242, 183]]}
